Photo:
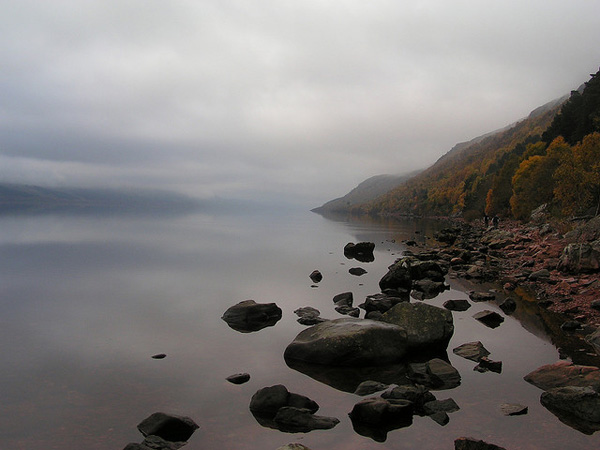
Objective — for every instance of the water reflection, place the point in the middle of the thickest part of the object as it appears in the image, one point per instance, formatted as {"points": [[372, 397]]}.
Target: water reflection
{"points": [[87, 300]]}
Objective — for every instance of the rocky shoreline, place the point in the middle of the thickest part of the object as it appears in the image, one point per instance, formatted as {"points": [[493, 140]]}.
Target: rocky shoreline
{"points": [[555, 264]]}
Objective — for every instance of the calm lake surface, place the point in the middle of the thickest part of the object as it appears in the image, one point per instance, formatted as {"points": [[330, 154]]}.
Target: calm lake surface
{"points": [[87, 300]]}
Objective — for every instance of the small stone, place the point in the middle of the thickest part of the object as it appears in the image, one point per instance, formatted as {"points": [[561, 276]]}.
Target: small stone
{"points": [[570, 325], [238, 378], [474, 351], [489, 318], [370, 387], [440, 417], [481, 296], [508, 306], [357, 271], [513, 409], [468, 443], [486, 365], [457, 305], [316, 276]]}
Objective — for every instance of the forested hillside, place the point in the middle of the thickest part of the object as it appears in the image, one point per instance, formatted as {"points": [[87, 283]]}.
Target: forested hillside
{"points": [[552, 157]]}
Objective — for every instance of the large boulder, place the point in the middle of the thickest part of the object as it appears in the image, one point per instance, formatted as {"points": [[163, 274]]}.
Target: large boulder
{"points": [[578, 407], [427, 327], [248, 316], [349, 342], [578, 258], [564, 373]]}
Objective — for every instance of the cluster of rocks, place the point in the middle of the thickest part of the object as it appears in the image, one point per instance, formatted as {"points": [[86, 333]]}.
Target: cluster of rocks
{"points": [[475, 351], [571, 393], [275, 407], [374, 417], [164, 432]]}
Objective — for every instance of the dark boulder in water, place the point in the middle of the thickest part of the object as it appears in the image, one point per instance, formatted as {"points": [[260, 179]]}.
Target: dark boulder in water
{"points": [[349, 342], [362, 251], [249, 316], [375, 417]]}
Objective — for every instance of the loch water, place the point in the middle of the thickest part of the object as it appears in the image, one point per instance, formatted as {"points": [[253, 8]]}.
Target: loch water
{"points": [[87, 299]]}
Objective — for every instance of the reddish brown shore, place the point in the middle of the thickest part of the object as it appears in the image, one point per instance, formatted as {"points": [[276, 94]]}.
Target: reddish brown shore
{"points": [[535, 247]]}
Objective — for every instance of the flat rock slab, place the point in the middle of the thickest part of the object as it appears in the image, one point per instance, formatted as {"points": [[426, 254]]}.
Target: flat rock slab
{"points": [[564, 373], [473, 351], [513, 409], [349, 342]]}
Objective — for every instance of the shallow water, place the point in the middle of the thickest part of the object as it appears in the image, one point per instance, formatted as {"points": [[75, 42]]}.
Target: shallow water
{"points": [[87, 300]]}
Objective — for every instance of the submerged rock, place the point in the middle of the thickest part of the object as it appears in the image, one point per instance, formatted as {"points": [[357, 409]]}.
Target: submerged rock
{"points": [[249, 316]]}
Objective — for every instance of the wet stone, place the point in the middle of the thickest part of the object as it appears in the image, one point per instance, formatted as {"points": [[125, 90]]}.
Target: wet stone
{"points": [[513, 409], [457, 305], [489, 318], [238, 378]]}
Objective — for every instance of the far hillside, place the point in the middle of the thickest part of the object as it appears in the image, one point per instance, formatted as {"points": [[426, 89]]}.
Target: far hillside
{"points": [[550, 158], [366, 191]]}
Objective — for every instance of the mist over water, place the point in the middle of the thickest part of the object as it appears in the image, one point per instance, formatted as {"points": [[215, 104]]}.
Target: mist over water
{"points": [[88, 299]]}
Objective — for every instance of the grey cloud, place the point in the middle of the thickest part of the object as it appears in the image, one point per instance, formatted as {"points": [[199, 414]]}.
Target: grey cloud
{"points": [[298, 98]]}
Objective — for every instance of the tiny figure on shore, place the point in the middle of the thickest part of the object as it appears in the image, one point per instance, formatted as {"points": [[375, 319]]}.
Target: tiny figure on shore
{"points": [[495, 221], [486, 220]]}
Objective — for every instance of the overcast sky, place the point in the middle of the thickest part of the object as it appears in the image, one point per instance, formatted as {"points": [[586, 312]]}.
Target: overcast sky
{"points": [[297, 100]]}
